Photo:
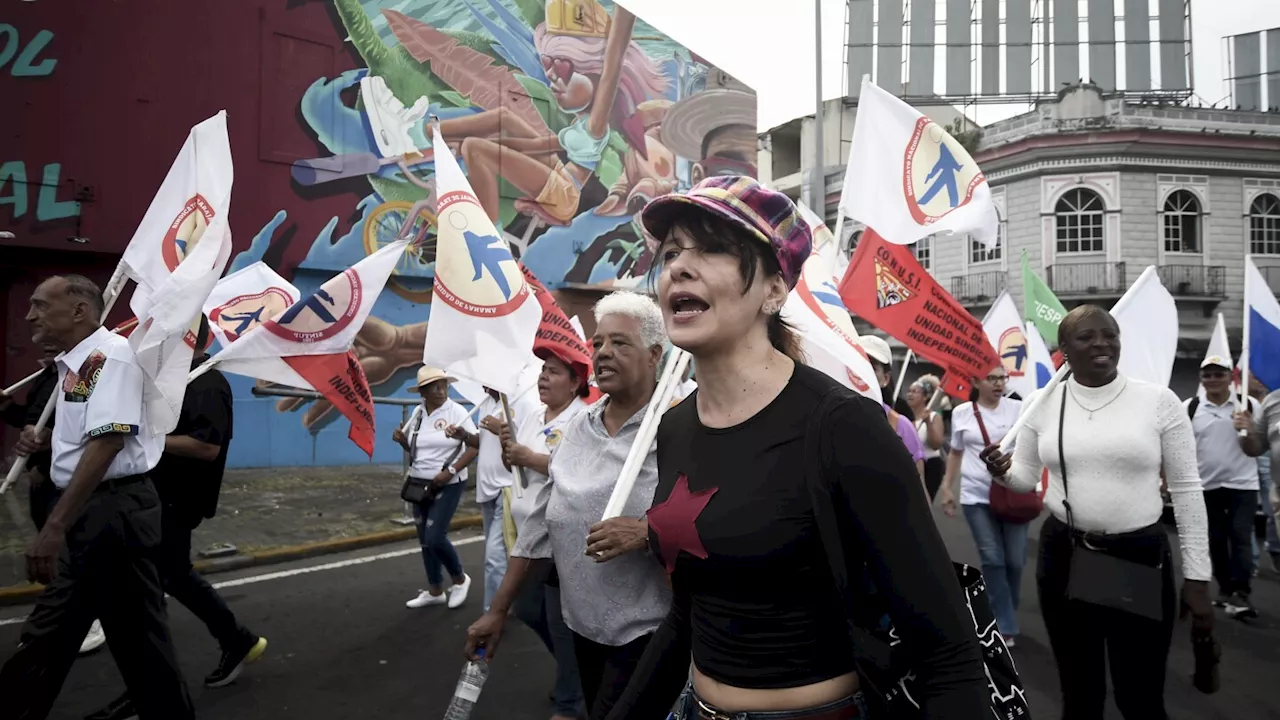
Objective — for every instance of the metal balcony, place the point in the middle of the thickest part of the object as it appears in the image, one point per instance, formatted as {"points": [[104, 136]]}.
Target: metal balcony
{"points": [[1087, 280], [1195, 281], [979, 287]]}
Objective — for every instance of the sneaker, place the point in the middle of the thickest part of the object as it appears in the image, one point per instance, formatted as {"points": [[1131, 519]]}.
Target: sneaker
{"points": [[426, 599], [94, 639], [233, 661], [120, 709], [458, 593], [1240, 608]]}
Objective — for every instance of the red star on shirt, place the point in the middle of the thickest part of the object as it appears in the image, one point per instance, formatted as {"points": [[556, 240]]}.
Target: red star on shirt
{"points": [[673, 521]]}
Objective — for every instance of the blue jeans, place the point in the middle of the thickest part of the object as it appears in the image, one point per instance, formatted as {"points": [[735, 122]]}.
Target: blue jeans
{"points": [[1002, 551], [538, 606], [495, 548], [433, 535]]}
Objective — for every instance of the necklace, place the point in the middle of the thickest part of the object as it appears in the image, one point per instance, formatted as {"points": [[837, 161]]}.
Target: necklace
{"points": [[1090, 410]]}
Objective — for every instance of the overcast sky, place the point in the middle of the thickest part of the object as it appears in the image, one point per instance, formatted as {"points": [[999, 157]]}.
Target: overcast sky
{"points": [[772, 50]]}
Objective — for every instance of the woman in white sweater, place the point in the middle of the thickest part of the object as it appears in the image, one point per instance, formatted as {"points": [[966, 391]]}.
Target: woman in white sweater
{"points": [[1105, 576]]}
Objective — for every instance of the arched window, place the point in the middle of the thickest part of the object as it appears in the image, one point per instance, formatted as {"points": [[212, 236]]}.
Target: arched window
{"points": [[1181, 215], [1264, 225], [1079, 222]]}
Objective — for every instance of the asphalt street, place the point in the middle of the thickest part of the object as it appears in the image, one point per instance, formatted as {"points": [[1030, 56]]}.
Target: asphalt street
{"points": [[342, 645]]}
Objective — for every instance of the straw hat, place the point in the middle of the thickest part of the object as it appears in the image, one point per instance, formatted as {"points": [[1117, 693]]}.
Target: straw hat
{"points": [[428, 375]]}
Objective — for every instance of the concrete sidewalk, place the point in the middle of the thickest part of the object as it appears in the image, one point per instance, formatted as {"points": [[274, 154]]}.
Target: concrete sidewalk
{"points": [[269, 514]]}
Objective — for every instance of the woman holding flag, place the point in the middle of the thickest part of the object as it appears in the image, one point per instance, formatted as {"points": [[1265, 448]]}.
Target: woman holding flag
{"points": [[738, 479]]}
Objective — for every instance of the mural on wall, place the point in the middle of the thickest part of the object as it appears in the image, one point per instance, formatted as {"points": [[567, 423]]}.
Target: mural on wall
{"points": [[567, 116]]}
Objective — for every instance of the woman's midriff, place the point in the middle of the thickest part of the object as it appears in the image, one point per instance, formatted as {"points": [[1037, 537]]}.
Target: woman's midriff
{"points": [[735, 699]]}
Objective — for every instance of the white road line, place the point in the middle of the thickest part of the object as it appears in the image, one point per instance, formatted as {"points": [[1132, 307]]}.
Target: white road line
{"points": [[304, 570]]}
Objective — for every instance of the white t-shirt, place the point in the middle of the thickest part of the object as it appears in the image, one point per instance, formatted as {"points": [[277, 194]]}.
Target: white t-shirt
{"points": [[541, 437], [491, 474], [432, 448], [1221, 462], [922, 429], [100, 393], [966, 436]]}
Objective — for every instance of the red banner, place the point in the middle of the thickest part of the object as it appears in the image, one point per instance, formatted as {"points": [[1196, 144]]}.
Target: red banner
{"points": [[555, 333], [886, 286], [340, 379]]}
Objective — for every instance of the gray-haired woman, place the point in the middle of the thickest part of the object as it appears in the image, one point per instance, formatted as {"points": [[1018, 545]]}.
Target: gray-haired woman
{"points": [[612, 593], [929, 427]]}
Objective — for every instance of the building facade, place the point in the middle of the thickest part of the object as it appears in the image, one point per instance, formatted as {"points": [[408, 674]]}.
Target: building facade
{"points": [[327, 105]]}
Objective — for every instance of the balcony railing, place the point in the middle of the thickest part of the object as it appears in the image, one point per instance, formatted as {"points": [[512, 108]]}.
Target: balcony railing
{"points": [[979, 287], [1206, 281], [1087, 279]]}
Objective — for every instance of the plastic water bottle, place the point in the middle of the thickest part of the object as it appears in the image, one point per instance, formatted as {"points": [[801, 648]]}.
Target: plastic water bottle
{"points": [[468, 691]]}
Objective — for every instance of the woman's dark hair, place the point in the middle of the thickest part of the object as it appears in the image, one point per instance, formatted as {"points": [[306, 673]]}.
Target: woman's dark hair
{"points": [[716, 234], [584, 388], [1072, 321]]}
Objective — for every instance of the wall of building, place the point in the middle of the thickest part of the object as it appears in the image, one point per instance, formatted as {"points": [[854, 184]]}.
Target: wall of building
{"points": [[104, 117]]}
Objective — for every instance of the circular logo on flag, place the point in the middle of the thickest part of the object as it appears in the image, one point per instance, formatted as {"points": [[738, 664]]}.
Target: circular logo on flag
{"points": [[480, 278], [185, 231], [322, 314], [938, 175], [243, 313], [1013, 352]]}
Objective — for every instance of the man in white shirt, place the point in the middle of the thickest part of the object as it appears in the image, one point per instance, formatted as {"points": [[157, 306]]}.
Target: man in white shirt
{"points": [[95, 552], [491, 477], [1229, 474]]}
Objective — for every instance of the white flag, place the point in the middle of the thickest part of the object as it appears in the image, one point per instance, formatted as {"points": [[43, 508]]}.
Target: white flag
{"points": [[176, 256], [1148, 320], [1219, 353], [908, 178], [815, 310], [483, 315], [1006, 334], [243, 301], [825, 243], [1041, 360]]}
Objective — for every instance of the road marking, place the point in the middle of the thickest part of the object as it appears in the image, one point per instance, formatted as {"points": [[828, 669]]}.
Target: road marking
{"points": [[304, 570]]}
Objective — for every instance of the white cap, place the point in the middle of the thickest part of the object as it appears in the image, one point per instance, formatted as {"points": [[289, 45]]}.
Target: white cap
{"points": [[877, 349], [1217, 360]]}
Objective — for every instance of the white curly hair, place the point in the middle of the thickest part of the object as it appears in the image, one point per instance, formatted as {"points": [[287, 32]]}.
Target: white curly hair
{"points": [[653, 331]]}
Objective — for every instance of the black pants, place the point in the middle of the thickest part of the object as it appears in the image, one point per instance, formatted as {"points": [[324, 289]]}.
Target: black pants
{"points": [[605, 671], [934, 469], [1231, 537], [44, 495], [1085, 637], [179, 578], [105, 571]]}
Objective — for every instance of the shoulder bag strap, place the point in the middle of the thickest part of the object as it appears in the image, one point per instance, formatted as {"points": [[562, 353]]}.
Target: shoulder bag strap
{"points": [[977, 415], [1062, 457], [867, 649]]}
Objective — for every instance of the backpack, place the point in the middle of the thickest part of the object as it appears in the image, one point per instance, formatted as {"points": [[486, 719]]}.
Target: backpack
{"points": [[888, 683]]}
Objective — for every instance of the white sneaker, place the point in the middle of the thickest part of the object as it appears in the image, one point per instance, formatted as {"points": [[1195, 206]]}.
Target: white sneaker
{"points": [[94, 639], [426, 599], [458, 593]]}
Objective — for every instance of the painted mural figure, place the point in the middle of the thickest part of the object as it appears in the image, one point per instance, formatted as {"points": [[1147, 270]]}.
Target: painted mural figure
{"points": [[945, 170]]}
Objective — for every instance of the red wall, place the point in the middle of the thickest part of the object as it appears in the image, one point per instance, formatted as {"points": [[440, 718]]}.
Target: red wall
{"points": [[130, 79]]}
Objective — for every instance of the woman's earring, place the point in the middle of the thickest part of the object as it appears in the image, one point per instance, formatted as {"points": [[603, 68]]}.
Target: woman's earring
{"points": [[770, 310]]}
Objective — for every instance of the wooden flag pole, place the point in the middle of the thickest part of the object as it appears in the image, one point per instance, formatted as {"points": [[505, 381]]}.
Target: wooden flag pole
{"points": [[521, 482]]}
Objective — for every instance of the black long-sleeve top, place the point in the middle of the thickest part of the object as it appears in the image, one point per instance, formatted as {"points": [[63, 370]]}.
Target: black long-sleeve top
{"points": [[754, 598], [22, 414]]}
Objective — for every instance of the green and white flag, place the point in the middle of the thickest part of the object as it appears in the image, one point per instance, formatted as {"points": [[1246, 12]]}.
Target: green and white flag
{"points": [[1039, 304]]}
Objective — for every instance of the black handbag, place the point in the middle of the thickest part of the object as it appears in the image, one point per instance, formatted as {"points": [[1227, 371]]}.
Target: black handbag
{"points": [[1098, 577], [893, 686], [421, 491]]}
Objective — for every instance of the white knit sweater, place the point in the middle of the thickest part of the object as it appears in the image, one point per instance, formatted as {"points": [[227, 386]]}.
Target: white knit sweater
{"points": [[1114, 456]]}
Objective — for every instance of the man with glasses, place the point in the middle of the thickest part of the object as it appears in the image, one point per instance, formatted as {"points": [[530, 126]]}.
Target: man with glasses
{"points": [[1229, 474]]}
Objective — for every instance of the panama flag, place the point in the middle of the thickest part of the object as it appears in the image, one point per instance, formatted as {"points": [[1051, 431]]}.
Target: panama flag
{"points": [[176, 256], [245, 300], [908, 178], [1261, 351], [1004, 329], [484, 317], [312, 338], [815, 310]]}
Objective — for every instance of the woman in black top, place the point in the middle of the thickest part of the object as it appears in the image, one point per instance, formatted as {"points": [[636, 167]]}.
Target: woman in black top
{"points": [[754, 602]]}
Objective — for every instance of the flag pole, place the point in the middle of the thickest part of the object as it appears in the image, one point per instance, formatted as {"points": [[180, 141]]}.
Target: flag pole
{"points": [[521, 483], [902, 374], [109, 297], [818, 178], [22, 383], [1244, 339]]}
